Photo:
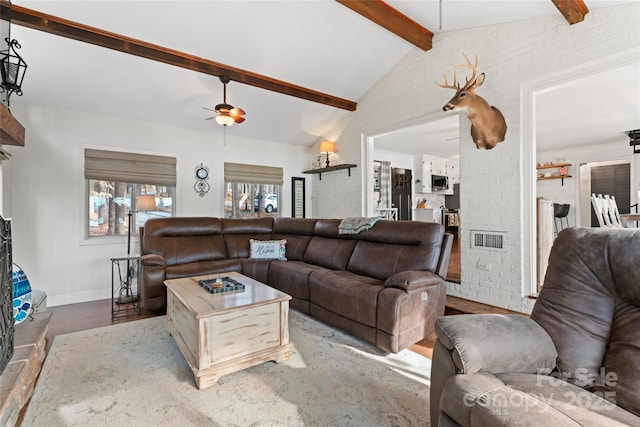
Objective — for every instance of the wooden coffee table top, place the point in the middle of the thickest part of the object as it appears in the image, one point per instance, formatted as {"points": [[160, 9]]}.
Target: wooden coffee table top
{"points": [[202, 303]]}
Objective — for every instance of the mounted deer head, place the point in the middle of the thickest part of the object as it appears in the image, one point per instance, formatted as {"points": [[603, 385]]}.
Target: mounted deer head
{"points": [[487, 123]]}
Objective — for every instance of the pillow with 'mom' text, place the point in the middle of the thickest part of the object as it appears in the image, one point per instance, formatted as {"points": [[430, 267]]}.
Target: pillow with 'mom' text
{"points": [[267, 249]]}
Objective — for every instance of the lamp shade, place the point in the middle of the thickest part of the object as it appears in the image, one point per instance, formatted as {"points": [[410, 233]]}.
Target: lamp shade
{"points": [[224, 119], [327, 147], [146, 203]]}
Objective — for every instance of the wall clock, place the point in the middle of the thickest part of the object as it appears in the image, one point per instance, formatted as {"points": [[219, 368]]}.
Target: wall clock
{"points": [[202, 176]]}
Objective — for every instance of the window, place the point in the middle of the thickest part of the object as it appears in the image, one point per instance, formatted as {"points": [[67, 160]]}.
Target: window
{"points": [[119, 184], [251, 191]]}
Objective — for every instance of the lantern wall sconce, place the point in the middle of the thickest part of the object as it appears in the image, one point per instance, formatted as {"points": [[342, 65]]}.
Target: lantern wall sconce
{"points": [[13, 68]]}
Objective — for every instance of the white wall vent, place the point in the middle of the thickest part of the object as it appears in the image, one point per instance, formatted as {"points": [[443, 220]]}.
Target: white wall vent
{"points": [[492, 240]]}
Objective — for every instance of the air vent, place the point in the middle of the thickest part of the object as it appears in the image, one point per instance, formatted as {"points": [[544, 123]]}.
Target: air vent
{"points": [[492, 240]]}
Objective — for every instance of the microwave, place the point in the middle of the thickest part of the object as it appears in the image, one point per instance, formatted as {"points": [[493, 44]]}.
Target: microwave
{"points": [[439, 182]]}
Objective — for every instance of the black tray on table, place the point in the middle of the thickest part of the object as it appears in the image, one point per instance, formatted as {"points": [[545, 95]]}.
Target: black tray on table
{"points": [[221, 284]]}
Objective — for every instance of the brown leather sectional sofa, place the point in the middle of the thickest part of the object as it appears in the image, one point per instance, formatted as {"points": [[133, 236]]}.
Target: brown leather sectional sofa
{"points": [[384, 285]]}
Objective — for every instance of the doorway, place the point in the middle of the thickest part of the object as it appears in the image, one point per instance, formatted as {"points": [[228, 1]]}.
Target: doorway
{"points": [[533, 138], [401, 192]]}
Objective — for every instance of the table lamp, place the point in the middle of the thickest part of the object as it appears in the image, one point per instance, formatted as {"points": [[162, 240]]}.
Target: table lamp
{"points": [[327, 147]]}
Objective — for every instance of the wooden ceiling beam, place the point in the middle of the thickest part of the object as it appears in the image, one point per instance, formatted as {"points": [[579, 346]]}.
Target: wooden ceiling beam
{"points": [[573, 11], [73, 30], [393, 20]]}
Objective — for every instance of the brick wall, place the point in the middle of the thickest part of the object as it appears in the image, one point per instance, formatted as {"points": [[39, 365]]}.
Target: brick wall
{"points": [[491, 181]]}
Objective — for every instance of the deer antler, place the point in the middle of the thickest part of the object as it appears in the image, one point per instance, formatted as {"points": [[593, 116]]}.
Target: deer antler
{"points": [[474, 67], [446, 84]]}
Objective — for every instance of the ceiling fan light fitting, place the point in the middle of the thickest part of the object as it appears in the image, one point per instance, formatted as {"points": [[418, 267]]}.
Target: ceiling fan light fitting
{"points": [[225, 119]]}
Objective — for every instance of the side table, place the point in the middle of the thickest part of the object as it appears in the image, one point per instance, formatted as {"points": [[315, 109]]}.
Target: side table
{"points": [[125, 288]]}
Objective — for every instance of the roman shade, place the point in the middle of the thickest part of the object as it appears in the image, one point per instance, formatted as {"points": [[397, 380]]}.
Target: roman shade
{"points": [[129, 167], [252, 174]]}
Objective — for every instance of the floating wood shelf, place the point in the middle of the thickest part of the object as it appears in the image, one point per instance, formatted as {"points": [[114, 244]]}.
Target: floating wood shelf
{"points": [[551, 166], [554, 166], [320, 171], [554, 177], [562, 177]]}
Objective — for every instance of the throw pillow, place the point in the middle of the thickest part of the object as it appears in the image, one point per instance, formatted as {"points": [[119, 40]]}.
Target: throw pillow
{"points": [[267, 249]]}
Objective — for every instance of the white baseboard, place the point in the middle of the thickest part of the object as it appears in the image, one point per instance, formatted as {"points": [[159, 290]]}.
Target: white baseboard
{"points": [[73, 298]]}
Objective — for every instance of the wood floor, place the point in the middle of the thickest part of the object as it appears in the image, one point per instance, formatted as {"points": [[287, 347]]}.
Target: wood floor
{"points": [[453, 274]]}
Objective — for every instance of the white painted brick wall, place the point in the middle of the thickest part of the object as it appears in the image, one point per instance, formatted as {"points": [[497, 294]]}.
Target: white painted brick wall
{"points": [[491, 181]]}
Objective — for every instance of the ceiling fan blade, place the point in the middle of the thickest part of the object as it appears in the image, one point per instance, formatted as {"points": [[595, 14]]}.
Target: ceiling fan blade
{"points": [[237, 112], [208, 109], [209, 118]]}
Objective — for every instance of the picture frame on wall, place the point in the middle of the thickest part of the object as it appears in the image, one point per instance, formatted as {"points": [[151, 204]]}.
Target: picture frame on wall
{"points": [[297, 197]]}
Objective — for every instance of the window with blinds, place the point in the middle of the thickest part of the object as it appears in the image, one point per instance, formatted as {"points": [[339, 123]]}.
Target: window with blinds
{"points": [[251, 190], [119, 183]]}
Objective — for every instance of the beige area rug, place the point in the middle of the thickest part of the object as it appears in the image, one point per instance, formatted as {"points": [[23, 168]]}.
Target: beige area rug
{"points": [[133, 374]]}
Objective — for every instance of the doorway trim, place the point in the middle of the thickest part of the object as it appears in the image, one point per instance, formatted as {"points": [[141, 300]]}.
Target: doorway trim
{"points": [[528, 92]]}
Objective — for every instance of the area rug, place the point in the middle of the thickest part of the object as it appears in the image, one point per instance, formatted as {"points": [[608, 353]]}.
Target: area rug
{"points": [[133, 374]]}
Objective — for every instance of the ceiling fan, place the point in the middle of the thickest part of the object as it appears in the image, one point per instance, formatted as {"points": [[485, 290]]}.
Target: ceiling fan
{"points": [[227, 114]]}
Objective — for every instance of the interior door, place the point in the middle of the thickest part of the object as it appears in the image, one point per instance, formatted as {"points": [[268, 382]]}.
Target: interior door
{"points": [[401, 192], [612, 180]]}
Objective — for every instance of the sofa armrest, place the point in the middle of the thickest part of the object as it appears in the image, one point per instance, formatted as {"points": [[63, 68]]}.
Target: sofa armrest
{"points": [[153, 259], [411, 280], [497, 343]]}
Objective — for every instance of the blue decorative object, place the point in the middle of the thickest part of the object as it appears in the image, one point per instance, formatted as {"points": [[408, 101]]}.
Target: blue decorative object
{"points": [[22, 297]]}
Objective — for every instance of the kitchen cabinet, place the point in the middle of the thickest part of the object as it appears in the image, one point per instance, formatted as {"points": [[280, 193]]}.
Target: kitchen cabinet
{"points": [[453, 171], [432, 165]]}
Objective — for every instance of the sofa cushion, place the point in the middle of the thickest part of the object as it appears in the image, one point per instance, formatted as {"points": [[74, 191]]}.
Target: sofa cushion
{"points": [[237, 232], [328, 248], [591, 288], [394, 246], [257, 269], [298, 233], [184, 240], [346, 294], [526, 399], [620, 374], [292, 277]]}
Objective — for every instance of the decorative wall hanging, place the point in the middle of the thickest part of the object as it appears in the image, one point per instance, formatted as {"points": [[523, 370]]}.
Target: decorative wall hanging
{"points": [[298, 197], [202, 176], [488, 126]]}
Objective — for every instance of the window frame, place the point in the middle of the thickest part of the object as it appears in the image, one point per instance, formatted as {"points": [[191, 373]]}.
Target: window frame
{"points": [[135, 170], [135, 193]]}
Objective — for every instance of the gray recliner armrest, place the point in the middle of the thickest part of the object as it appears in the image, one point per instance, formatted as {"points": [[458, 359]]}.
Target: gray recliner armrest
{"points": [[497, 343]]}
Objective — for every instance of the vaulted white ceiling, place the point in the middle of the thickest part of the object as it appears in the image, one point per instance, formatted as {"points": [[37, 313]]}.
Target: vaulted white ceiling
{"points": [[320, 45]]}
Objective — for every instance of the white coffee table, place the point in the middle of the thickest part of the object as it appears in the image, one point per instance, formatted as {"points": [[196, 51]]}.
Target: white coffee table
{"points": [[223, 333]]}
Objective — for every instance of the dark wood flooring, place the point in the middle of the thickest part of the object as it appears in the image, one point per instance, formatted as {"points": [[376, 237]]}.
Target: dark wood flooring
{"points": [[453, 274]]}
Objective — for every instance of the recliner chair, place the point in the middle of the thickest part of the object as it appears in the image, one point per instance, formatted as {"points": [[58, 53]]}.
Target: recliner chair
{"points": [[575, 362]]}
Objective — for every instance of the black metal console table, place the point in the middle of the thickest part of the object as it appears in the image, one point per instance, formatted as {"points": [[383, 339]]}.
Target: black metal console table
{"points": [[125, 288]]}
